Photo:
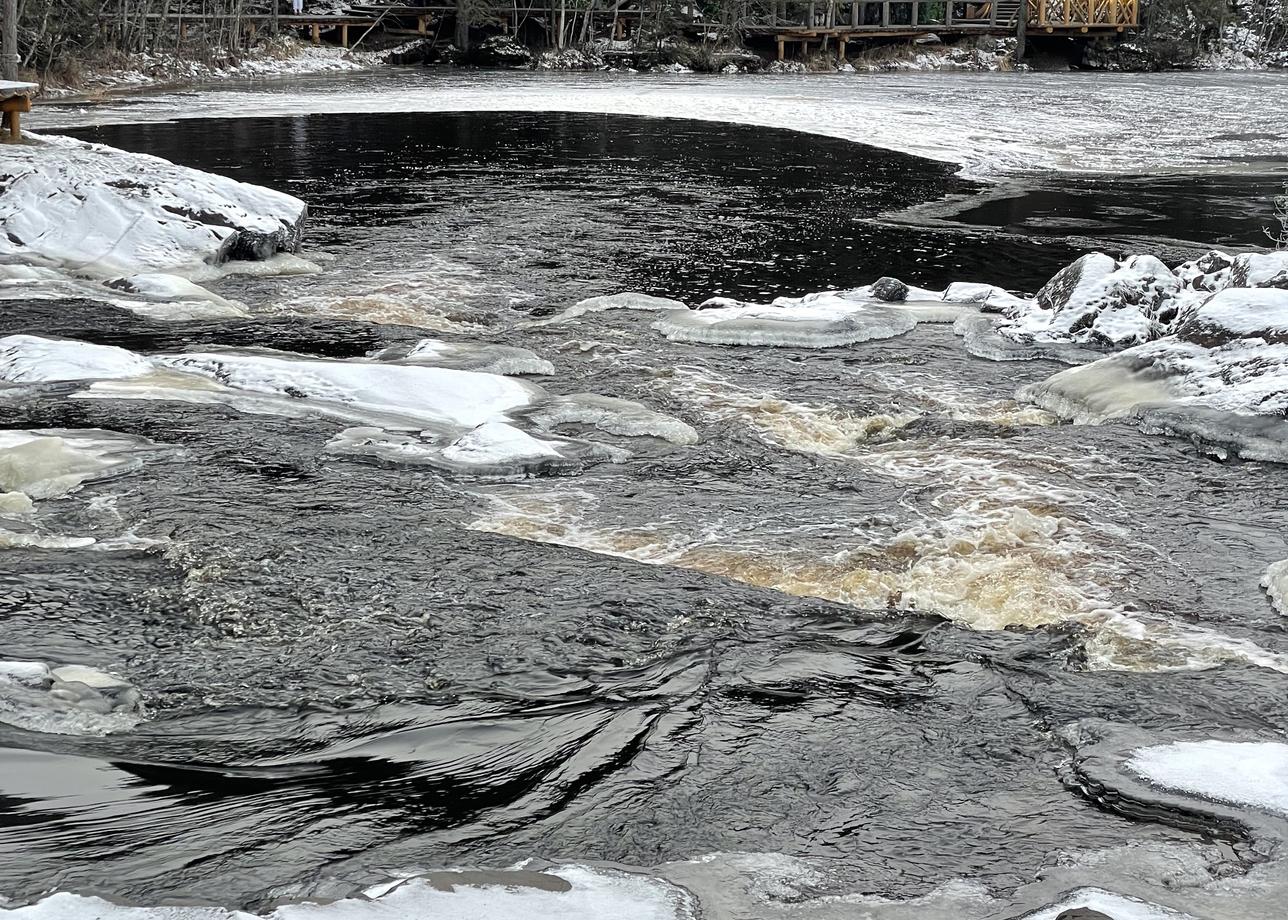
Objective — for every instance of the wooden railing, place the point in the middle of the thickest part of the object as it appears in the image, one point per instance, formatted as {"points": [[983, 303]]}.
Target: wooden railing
{"points": [[1084, 14]]}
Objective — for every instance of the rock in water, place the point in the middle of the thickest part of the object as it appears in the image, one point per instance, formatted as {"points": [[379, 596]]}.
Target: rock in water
{"points": [[1083, 913], [891, 290], [1101, 301]]}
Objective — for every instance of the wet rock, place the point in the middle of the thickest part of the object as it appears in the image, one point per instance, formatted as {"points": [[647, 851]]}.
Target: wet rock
{"points": [[891, 290], [1082, 913]]}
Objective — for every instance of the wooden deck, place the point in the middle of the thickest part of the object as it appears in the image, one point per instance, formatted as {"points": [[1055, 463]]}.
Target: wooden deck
{"points": [[786, 22]]}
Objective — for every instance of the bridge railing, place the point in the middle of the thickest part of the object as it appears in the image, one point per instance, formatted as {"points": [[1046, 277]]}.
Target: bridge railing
{"points": [[1084, 14]]}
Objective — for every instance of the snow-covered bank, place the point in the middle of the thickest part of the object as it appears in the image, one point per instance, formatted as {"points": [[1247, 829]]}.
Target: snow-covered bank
{"points": [[92, 210], [282, 57]]}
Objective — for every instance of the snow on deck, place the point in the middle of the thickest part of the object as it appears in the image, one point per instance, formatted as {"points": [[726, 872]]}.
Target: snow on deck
{"points": [[10, 88]]}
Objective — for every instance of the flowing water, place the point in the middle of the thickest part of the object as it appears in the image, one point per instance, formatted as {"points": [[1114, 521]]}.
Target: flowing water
{"points": [[820, 663]]}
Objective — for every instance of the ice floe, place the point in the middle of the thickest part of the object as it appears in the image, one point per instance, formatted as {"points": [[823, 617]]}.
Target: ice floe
{"points": [[68, 699], [51, 463], [626, 300], [827, 319], [1245, 773], [36, 465], [469, 356], [493, 450], [401, 410], [613, 416], [569, 892], [154, 295], [96, 210]]}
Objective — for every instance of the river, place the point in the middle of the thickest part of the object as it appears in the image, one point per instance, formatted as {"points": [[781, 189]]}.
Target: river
{"points": [[828, 659]]}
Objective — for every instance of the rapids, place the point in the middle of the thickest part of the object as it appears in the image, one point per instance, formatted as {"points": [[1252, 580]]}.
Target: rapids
{"points": [[444, 583]]}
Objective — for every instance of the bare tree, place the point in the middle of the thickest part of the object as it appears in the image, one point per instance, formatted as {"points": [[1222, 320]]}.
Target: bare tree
{"points": [[1280, 236]]}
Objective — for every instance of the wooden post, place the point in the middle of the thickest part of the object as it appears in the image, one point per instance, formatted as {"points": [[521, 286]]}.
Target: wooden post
{"points": [[344, 35], [840, 48], [13, 108], [781, 54], [885, 14], [916, 8], [1022, 30], [183, 31], [315, 30], [420, 24]]}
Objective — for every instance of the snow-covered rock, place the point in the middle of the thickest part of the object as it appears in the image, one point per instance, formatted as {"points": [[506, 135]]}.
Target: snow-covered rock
{"points": [[95, 210], [1237, 313], [1220, 379], [1101, 301]]}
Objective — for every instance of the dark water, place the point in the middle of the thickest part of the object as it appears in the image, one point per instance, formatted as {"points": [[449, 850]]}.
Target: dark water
{"points": [[351, 668]]}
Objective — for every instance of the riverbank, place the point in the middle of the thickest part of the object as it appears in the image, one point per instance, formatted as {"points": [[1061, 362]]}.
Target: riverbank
{"points": [[285, 56], [276, 58]]}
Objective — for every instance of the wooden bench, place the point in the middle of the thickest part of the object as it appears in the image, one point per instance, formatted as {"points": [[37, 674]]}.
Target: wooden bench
{"points": [[15, 98]]}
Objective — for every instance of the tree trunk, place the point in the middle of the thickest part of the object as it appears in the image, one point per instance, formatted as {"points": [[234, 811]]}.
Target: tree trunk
{"points": [[462, 40]]}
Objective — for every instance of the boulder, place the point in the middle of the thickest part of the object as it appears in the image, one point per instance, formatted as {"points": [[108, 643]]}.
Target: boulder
{"points": [[890, 290], [1237, 313], [1101, 301]]}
